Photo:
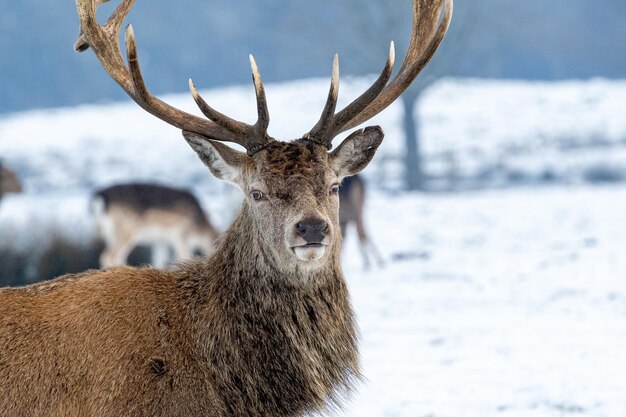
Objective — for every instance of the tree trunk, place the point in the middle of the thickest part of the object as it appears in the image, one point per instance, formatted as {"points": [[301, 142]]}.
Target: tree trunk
{"points": [[414, 179]]}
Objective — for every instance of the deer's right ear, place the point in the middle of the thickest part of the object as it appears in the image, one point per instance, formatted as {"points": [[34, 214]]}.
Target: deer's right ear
{"points": [[356, 151], [224, 162]]}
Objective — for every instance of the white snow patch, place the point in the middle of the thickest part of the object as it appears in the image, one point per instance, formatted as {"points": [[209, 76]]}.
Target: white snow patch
{"points": [[96, 145], [494, 132], [508, 303]]}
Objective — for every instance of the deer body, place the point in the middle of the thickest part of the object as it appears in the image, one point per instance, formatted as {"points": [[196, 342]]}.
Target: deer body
{"points": [[224, 336], [261, 327], [351, 207], [131, 214]]}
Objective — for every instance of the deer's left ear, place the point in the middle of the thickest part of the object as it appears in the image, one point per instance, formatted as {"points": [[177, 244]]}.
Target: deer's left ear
{"points": [[356, 151], [224, 162]]}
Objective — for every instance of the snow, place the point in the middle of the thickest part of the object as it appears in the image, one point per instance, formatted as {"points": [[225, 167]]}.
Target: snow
{"points": [[474, 133], [495, 131], [513, 304], [97, 145]]}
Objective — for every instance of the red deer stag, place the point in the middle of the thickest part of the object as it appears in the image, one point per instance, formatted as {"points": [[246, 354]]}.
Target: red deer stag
{"points": [[351, 206], [162, 217], [261, 327]]}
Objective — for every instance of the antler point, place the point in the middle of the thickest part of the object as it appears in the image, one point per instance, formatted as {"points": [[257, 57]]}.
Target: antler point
{"points": [[192, 88]]}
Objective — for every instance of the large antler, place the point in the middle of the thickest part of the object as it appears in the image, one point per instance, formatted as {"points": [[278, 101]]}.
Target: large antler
{"points": [[429, 28], [104, 42]]}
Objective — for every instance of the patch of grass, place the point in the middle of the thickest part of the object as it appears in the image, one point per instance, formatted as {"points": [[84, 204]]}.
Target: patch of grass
{"points": [[603, 174], [58, 256], [14, 267]]}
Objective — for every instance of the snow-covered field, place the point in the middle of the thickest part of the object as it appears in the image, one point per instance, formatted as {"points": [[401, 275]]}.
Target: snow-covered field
{"points": [[513, 304], [473, 133], [501, 132], [497, 303], [95, 145]]}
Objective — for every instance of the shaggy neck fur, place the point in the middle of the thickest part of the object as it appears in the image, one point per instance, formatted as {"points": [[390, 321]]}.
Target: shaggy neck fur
{"points": [[283, 344]]}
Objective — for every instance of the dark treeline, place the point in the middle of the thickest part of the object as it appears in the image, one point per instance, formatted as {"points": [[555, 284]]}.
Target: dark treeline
{"points": [[210, 40]]}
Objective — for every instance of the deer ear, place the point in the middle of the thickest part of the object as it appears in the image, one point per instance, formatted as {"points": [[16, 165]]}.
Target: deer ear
{"points": [[224, 162], [356, 151]]}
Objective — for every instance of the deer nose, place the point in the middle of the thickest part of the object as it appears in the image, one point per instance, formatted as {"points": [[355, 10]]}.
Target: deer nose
{"points": [[312, 230]]}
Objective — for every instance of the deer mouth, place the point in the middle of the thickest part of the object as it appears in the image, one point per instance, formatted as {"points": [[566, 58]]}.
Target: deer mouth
{"points": [[310, 251]]}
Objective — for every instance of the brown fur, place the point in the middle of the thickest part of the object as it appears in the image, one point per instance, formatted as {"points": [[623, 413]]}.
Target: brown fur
{"points": [[142, 197], [247, 331], [9, 183], [130, 214], [351, 207]]}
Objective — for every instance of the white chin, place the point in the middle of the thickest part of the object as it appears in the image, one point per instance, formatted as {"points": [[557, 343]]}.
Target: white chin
{"points": [[309, 253]]}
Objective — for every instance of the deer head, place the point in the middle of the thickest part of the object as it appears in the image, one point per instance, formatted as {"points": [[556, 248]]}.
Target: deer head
{"points": [[291, 188]]}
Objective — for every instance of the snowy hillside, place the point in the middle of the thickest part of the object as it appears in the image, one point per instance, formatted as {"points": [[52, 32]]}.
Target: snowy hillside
{"points": [[519, 131], [474, 132], [502, 303], [101, 144]]}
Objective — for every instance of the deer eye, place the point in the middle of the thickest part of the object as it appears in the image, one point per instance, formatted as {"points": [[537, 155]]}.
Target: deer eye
{"points": [[334, 189], [257, 195]]}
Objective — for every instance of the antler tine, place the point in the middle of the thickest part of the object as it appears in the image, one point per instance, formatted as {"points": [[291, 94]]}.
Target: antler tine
{"points": [[330, 123], [263, 119], [164, 111], [219, 118], [81, 43], [318, 133], [256, 135], [426, 36], [117, 18], [104, 42], [366, 98]]}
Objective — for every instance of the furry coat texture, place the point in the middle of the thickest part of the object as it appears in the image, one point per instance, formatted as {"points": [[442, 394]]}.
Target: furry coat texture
{"points": [[144, 342]]}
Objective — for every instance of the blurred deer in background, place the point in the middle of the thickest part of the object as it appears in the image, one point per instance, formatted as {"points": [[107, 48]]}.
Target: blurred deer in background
{"points": [[161, 217], [9, 183], [261, 327], [351, 207]]}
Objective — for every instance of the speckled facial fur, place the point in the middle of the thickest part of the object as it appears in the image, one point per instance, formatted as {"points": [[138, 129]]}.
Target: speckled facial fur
{"points": [[296, 180]]}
